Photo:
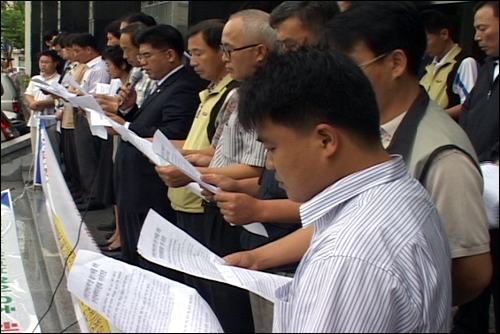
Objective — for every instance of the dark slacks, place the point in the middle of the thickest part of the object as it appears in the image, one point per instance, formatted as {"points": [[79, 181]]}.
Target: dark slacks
{"points": [[130, 229], [231, 305], [95, 163], [70, 158]]}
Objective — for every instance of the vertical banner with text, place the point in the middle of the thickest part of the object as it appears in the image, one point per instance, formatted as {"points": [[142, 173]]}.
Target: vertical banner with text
{"points": [[18, 311], [70, 232]]}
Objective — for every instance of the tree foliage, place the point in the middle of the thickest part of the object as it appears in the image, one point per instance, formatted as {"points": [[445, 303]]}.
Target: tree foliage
{"points": [[13, 23]]}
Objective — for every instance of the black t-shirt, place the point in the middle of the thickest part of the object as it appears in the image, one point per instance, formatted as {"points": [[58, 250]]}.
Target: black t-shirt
{"points": [[269, 190]]}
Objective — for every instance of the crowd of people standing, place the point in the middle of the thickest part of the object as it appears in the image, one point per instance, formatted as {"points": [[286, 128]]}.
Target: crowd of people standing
{"points": [[319, 120]]}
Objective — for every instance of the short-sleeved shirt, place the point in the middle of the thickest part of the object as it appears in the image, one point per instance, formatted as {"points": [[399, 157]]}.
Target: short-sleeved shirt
{"points": [[455, 185], [39, 96], [182, 199], [238, 146], [379, 260]]}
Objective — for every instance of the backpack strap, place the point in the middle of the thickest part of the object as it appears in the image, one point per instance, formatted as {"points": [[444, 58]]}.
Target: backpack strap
{"points": [[211, 129]]}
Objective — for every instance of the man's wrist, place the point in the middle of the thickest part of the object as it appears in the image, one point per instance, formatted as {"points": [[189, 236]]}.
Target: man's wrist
{"points": [[260, 210]]}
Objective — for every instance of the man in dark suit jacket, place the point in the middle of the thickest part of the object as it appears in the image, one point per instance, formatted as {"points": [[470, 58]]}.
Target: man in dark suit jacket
{"points": [[170, 107]]}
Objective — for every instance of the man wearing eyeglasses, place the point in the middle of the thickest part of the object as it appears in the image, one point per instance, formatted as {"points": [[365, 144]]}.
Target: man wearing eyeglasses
{"points": [[436, 151], [247, 43], [169, 107]]}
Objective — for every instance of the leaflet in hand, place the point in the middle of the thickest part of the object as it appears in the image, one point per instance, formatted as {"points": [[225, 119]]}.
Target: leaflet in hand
{"points": [[165, 244], [164, 148], [54, 89], [72, 82], [136, 300]]}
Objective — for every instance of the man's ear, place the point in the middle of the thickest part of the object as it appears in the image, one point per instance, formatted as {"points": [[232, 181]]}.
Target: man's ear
{"points": [[399, 63], [328, 138], [171, 55], [262, 53], [445, 34]]}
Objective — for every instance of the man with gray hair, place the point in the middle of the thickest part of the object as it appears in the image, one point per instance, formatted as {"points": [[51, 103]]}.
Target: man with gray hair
{"points": [[247, 43]]}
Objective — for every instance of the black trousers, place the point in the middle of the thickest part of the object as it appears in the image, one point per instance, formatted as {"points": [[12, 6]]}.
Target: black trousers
{"points": [[473, 317], [130, 229], [231, 305], [70, 158], [95, 163], [192, 224]]}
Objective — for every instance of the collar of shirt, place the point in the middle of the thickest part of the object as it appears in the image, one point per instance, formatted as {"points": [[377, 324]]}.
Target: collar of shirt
{"points": [[445, 59], [160, 82], [495, 71], [94, 61], [73, 65], [349, 187], [389, 129], [50, 77], [217, 87]]}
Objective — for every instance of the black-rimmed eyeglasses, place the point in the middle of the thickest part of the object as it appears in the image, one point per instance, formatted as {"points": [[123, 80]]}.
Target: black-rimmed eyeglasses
{"points": [[228, 52]]}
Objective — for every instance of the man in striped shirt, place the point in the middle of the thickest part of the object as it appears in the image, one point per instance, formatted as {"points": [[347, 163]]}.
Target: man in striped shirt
{"points": [[94, 154], [379, 260]]}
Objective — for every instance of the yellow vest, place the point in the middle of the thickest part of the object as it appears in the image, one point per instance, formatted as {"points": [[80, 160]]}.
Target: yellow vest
{"points": [[182, 199], [436, 84]]}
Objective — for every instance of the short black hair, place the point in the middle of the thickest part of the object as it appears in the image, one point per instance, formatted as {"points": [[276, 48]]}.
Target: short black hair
{"points": [[314, 15], [84, 40], [211, 31], [384, 27], [134, 29], [114, 53], [146, 19], [57, 39], [50, 53], [48, 35], [113, 28], [493, 4], [66, 40], [434, 21], [309, 87], [163, 36]]}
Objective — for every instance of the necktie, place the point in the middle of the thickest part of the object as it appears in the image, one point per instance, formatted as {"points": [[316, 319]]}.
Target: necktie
{"points": [[385, 137], [155, 88]]}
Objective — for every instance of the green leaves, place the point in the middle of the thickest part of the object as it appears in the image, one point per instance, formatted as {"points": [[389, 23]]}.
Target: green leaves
{"points": [[13, 23]]}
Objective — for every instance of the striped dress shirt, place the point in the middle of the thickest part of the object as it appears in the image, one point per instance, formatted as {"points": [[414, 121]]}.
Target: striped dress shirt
{"points": [[97, 73], [379, 260], [237, 146]]}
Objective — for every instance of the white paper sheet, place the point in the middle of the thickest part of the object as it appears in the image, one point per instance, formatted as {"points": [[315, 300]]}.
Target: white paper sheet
{"points": [[54, 89], [114, 85], [87, 102], [97, 119], [95, 115], [164, 148], [491, 193], [103, 88], [136, 300], [40, 82], [72, 82], [166, 245], [256, 228]]}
